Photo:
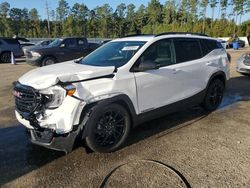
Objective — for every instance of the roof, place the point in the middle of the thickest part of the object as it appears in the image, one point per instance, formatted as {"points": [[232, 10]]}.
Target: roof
{"points": [[148, 37], [145, 38]]}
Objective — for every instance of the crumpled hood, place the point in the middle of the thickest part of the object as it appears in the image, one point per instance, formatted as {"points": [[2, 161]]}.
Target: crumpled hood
{"points": [[44, 77]]}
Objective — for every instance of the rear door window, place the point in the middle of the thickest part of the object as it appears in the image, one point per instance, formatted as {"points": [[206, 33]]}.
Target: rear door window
{"points": [[70, 43], [209, 45], [187, 49], [81, 42]]}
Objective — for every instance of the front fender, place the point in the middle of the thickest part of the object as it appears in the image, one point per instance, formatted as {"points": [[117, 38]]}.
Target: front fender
{"points": [[121, 99]]}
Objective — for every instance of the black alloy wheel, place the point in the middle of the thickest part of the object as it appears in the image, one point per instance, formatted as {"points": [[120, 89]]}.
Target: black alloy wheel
{"points": [[109, 128], [5, 57], [214, 95]]}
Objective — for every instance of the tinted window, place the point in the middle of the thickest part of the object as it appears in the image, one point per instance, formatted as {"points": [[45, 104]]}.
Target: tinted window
{"points": [[11, 41], [70, 43], [209, 45], [161, 53], [187, 50], [81, 42]]}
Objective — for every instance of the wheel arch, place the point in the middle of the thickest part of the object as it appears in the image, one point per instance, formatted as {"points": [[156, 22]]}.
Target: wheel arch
{"points": [[121, 99], [218, 75], [47, 56]]}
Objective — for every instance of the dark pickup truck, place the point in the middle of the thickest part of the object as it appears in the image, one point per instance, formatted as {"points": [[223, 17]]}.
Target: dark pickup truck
{"points": [[60, 50]]}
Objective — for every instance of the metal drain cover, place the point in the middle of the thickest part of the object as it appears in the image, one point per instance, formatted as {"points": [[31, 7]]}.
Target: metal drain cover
{"points": [[145, 173]]}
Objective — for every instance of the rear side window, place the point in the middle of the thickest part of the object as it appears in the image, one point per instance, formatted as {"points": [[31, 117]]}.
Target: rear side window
{"points": [[209, 45], [11, 41], [70, 43], [82, 42], [187, 49]]}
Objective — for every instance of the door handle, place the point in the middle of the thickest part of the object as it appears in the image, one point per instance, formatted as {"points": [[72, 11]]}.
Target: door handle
{"points": [[210, 63]]}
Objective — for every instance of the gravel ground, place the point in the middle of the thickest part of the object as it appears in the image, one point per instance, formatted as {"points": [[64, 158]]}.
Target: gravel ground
{"points": [[205, 150]]}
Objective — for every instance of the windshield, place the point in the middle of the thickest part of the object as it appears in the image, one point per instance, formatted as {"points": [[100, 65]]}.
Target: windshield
{"points": [[56, 42], [113, 54]]}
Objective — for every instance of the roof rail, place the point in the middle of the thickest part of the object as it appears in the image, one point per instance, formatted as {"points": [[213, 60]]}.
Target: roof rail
{"points": [[182, 33], [135, 35]]}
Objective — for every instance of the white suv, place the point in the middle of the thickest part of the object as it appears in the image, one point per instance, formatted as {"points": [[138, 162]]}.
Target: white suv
{"points": [[120, 85]]}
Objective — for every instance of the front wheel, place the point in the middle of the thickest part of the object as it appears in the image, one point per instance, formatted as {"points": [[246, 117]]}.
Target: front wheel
{"points": [[214, 95], [48, 61], [109, 127], [5, 57]]}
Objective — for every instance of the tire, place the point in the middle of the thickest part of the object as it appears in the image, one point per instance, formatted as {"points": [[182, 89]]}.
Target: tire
{"points": [[48, 61], [5, 57], [214, 95], [108, 128]]}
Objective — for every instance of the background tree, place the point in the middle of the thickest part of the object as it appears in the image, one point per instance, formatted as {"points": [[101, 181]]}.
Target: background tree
{"points": [[103, 21], [204, 4]]}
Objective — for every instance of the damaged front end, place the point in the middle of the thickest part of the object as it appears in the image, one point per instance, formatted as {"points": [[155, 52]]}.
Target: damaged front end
{"points": [[48, 114]]}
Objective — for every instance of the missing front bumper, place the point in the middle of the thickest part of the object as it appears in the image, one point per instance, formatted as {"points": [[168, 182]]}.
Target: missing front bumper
{"points": [[49, 139]]}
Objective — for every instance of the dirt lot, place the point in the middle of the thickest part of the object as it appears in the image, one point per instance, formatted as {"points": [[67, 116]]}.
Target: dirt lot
{"points": [[190, 148]]}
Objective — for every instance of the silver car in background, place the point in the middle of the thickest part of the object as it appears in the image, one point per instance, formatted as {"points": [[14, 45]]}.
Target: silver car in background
{"points": [[37, 45], [243, 64]]}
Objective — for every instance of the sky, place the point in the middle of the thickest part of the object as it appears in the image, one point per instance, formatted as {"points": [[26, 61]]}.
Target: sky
{"points": [[40, 5]]}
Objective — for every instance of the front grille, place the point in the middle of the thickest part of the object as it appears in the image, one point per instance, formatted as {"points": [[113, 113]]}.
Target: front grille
{"points": [[27, 99]]}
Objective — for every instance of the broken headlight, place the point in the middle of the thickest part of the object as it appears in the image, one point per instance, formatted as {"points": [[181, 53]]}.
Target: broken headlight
{"points": [[54, 96]]}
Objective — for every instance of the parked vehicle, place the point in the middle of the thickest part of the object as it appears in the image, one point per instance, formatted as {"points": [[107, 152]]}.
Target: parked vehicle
{"points": [[243, 64], [60, 50], [241, 44], [94, 45], [118, 86], [27, 44], [8, 45], [37, 45]]}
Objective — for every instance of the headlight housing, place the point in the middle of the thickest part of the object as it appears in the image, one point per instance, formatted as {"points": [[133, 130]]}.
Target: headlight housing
{"points": [[56, 94], [35, 54]]}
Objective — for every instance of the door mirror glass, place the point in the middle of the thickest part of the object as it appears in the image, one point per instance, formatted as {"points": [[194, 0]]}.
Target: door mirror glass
{"points": [[146, 65]]}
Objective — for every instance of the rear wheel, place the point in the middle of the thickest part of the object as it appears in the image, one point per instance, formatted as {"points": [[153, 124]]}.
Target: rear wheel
{"points": [[5, 57], [48, 61], [108, 128], [214, 95]]}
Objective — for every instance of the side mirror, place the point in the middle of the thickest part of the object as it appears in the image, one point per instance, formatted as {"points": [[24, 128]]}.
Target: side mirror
{"points": [[146, 65], [62, 46]]}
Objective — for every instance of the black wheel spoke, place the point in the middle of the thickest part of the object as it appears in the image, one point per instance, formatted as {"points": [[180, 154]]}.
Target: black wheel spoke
{"points": [[216, 94], [109, 128]]}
